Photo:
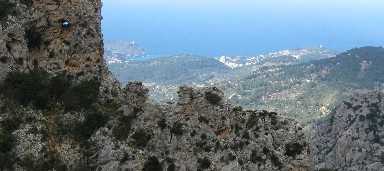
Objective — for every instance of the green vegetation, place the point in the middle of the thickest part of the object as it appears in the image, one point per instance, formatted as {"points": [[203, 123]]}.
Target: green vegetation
{"points": [[309, 90], [152, 164], [141, 138], [28, 3], [293, 149], [255, 158], [6, 144], [238, 109], [28, 88], [52, 163], [33, 38], [177, 129], [122, 129], [162, 123], [252, 121], [81, 95], [213, 98], [203, 164], [181, 69], [326, 169], [52, 95], [6, 8], [39, 89], [94, 119], [6, 140]]}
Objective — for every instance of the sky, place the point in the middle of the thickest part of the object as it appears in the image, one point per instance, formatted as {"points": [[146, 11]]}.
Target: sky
{"points": [[243, 27]]}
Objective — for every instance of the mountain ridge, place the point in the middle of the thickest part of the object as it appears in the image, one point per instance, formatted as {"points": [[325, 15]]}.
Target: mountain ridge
{"points": [[61, 109]]}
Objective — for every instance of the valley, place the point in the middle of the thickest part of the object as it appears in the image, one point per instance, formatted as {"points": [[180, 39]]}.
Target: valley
{"points": [[304, 84]]}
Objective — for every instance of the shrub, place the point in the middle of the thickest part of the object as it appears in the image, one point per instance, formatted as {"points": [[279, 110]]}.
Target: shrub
{"points": [[51, 162], [122, 129], [237, 109], [82, 95], [28, 3], [141, 138], [171, 167], [40, 89], [58, 86], [6, 144], [177, 129], [6, 141], [33, 38], [252, 121], [6, 8], [94, 120], [326, 169], [203, 119], [162, 123], [276, 161], [27, 88], [213, 98], [203, 163], [255, 158], [293, 149], [152, 164]]}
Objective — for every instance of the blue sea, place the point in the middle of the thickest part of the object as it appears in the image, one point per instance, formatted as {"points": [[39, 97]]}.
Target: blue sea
{"points": [[244, 28]]}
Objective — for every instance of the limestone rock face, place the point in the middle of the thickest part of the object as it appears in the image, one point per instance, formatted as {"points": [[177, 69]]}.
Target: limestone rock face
{"points": [[200, 132], [53, 35], [352, 136]]}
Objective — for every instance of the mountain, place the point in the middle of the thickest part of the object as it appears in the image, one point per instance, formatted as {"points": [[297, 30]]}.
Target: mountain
{"points": [[122, 51], [174, 70], [304, 84], [309, 90], [60, 109], [284, 57], [351, 137], [163, 75]]}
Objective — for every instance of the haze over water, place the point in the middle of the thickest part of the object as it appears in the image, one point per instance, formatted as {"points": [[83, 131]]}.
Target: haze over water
{"points": [[243, 27]]}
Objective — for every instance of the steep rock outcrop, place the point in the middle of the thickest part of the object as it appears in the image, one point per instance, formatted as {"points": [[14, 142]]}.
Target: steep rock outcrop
{"points": [[199, 132], [57, 36], [351, 138]]}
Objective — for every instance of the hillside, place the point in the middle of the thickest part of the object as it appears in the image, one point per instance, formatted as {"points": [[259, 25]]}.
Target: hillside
{"points": [[304, 84], [121, 51], [283, 57], [351, 137], [309, 90], [163, 75], [173, 70]]}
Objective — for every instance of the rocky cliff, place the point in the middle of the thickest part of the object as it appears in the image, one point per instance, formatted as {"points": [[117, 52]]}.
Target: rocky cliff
{"points": [[54, 35], [52, 120], [199, 132], [351, 137]]}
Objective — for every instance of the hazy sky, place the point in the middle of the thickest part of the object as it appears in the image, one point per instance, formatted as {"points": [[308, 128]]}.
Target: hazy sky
{"points": [[243, 27]]}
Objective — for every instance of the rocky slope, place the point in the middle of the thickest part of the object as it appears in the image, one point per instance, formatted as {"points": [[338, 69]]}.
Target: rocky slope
{"points": [[54, 35], [50, 119], [351, 137], [199, 132]]}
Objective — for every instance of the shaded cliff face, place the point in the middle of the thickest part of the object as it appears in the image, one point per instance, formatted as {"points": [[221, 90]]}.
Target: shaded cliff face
{"points": [[351, 137], [53, 35]]}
